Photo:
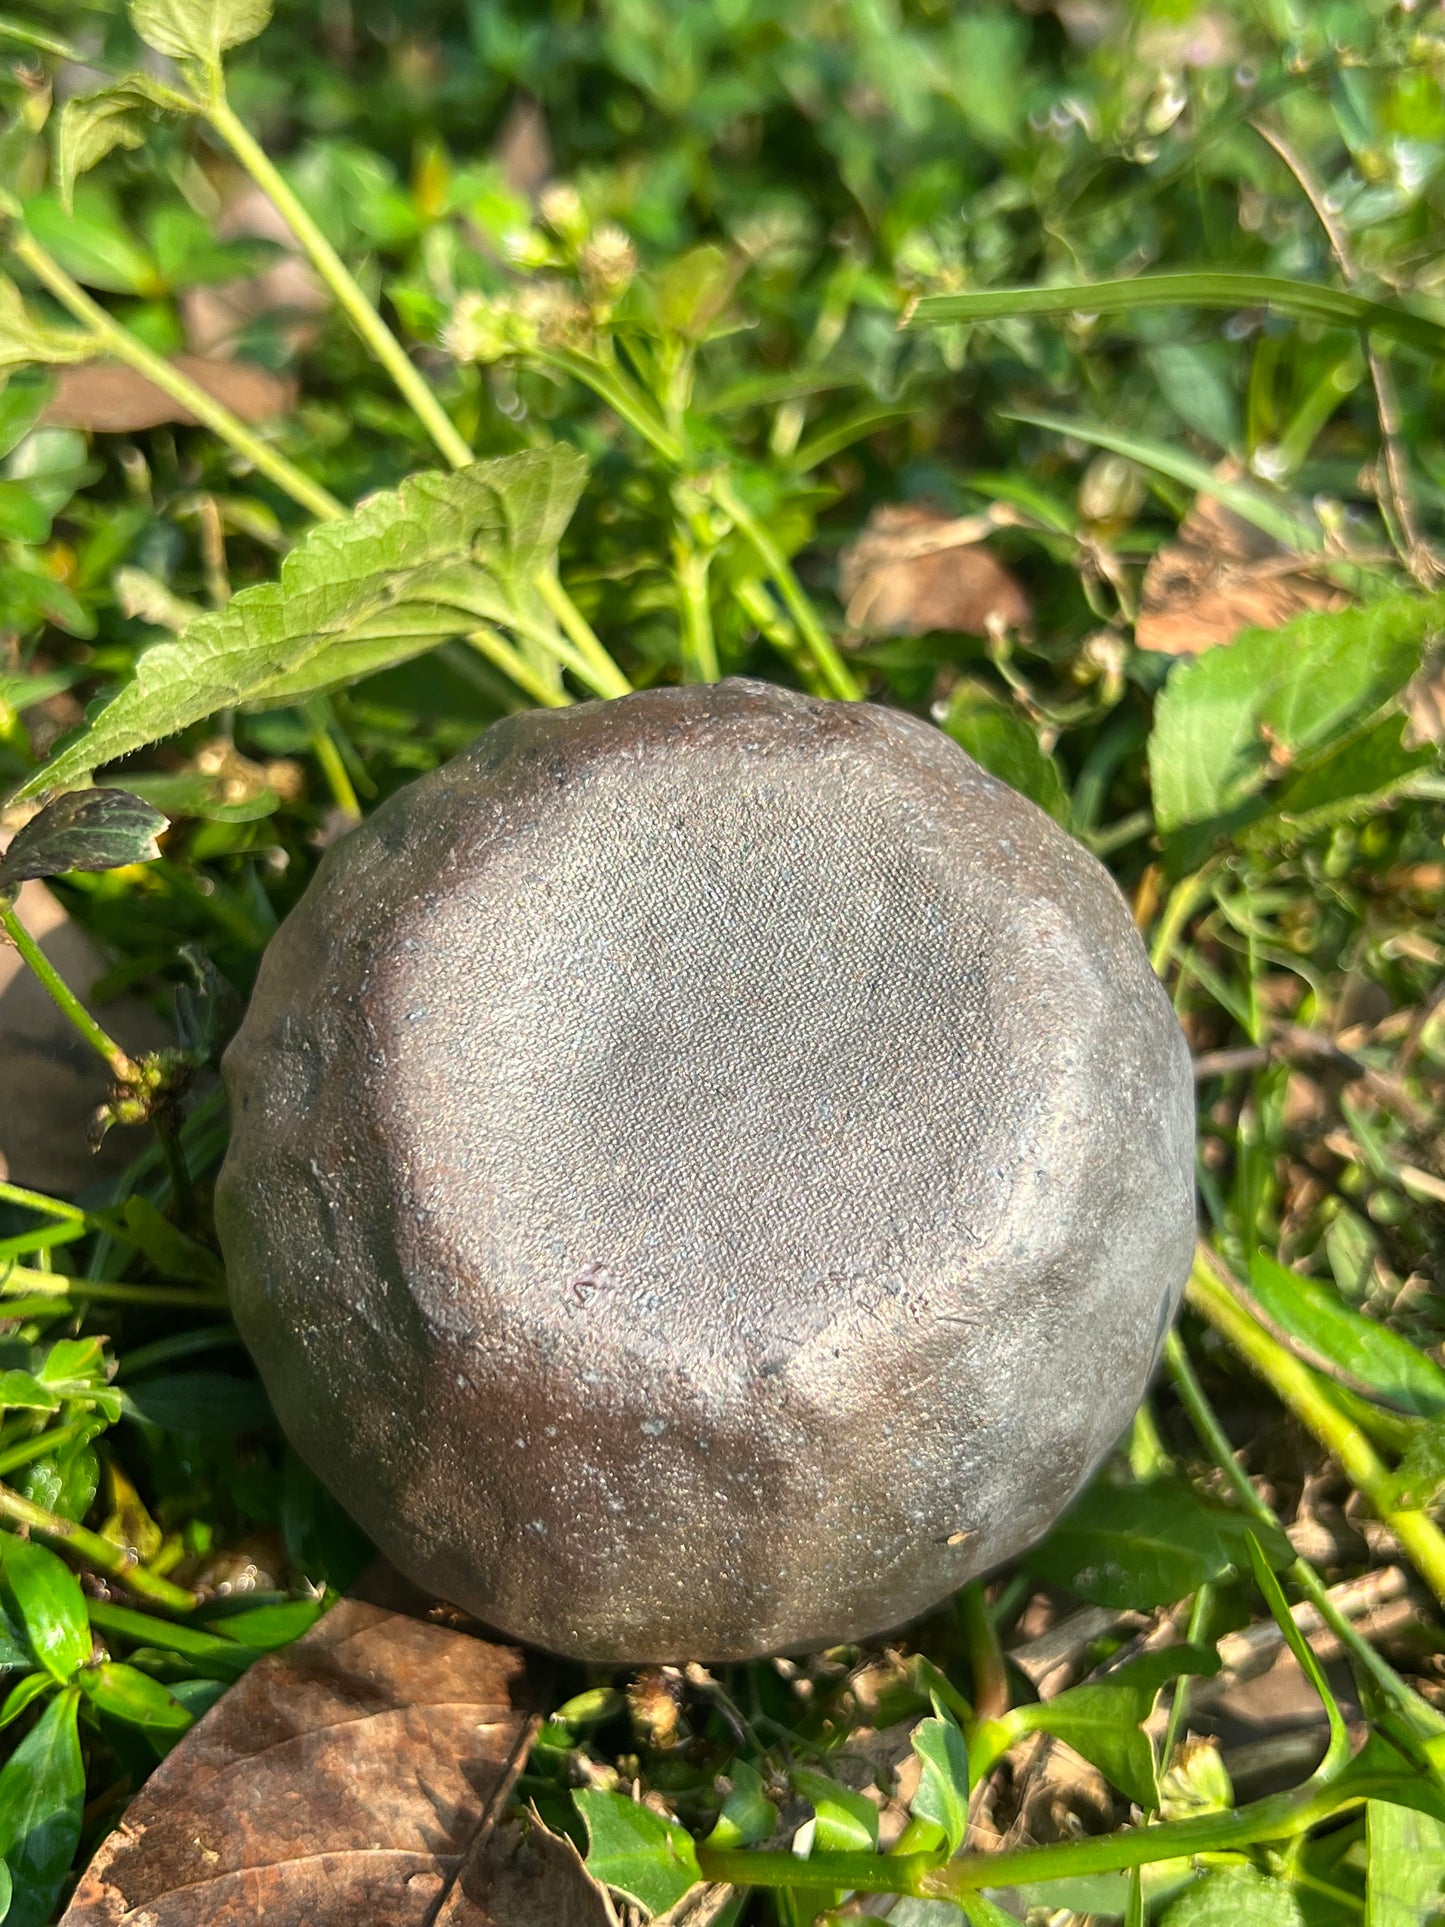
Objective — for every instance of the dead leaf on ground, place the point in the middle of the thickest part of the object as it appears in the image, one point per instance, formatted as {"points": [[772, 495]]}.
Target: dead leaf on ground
{"points": [[914, 571], [108, 399], [342, 1780], [1223, 575], [521, 1875], [51, 1081]]}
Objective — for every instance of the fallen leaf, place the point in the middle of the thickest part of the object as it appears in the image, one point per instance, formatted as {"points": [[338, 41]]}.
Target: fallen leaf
{"points": [[520, 1874], [51, 1081], [342, 1780], [109, 399], [1223, 575], [913, 571]]}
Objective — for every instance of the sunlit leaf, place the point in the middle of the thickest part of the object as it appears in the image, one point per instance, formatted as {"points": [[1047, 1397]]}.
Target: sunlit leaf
{"points": [[97, 829], [1375, 1358], [42, 1790], [636, 1852], [198, 29]]}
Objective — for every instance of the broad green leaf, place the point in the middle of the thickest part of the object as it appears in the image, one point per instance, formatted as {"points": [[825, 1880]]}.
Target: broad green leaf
{"points": [[23, 1694], [265, 1628], [1230, 722], [198, 29], [23, 516], [1420, 1475], [210, 1404], [1405, 1878], [42, 1791], [94, 125], [1301, 300], [847, 1821], [1374, 1357], [636, 1852], [1145, 1545], [1235, 1897], [130, 1695], [1102, 1719], [90, 240], [996, 735], [429, 559], [942, 1795], [1195, 379], [1351, 779], [23, 1393], [44, 1596], [26, 340], [747, 1814], [85, 830]]}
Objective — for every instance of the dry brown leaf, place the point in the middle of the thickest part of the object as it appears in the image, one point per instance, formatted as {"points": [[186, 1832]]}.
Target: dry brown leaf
{"points": [[1424, 701], [913, 571], [51, 1081], [521, 1875], [1221, 576], [108, 399], [340, 1782]]}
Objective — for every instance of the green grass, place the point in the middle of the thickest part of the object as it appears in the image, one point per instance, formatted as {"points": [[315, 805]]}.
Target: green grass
{"points": [[1196, 254]]}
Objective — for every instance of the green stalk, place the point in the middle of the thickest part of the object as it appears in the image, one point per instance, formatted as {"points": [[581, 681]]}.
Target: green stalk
{"points": [[52, 1207], [1211, 1292], [90, 1549], [1184, 900], [503, 656], [985, 1655], [699, 646], [42, 1444], [333, 768], [835, 672], [606, 678], [125, 347], [58, 1284], [121, 1065], [338, 277]]}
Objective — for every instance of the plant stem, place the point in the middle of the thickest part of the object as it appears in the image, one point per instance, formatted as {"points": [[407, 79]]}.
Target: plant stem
{"points": [[1212, 1293], [333, 768], [985, 1655], [339, 278], [121, 1065], [836, 674], [500, 652], [52, 1207], [58, 1284], [699, 647], [607, 678], [207, 410], [42, 1444], [1184, 899], [91, 1550], [147, 1631]]}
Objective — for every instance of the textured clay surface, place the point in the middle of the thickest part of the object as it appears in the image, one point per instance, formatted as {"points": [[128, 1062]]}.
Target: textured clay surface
{"points": [[711, 1172]]}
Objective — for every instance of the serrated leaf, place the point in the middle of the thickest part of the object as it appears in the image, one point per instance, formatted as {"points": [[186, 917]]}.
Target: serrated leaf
{"points": [[198, 29], [85, 830], [1239, 717], [1377, 1359], [636, 1852], [429, 559], [26, 341], [942, 1795], [1142, 1546], [1405, 1878], [94, 125]]}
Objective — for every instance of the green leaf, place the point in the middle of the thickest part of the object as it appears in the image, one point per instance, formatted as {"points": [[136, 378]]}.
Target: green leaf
{"points": [[44, 1595], [89, 239], [1420, 1475], [24, 340], [209, 1404], [1228, 723], [636, 1852], [24, 1393], [130, 1695], [847, 1821], [23, 516], [1351, 779], [1405, 1878], [265, 1628], [172, 1253], [85, 830], [42, 1790], [1235, 1897], [1301, 300], [198, 29], [1338, 1750], [429, 559], [93, 125], [995, 734], [1102, 1719], [1142, 1546], [1377, 1359], [942, 1795], [747, 1814]]}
